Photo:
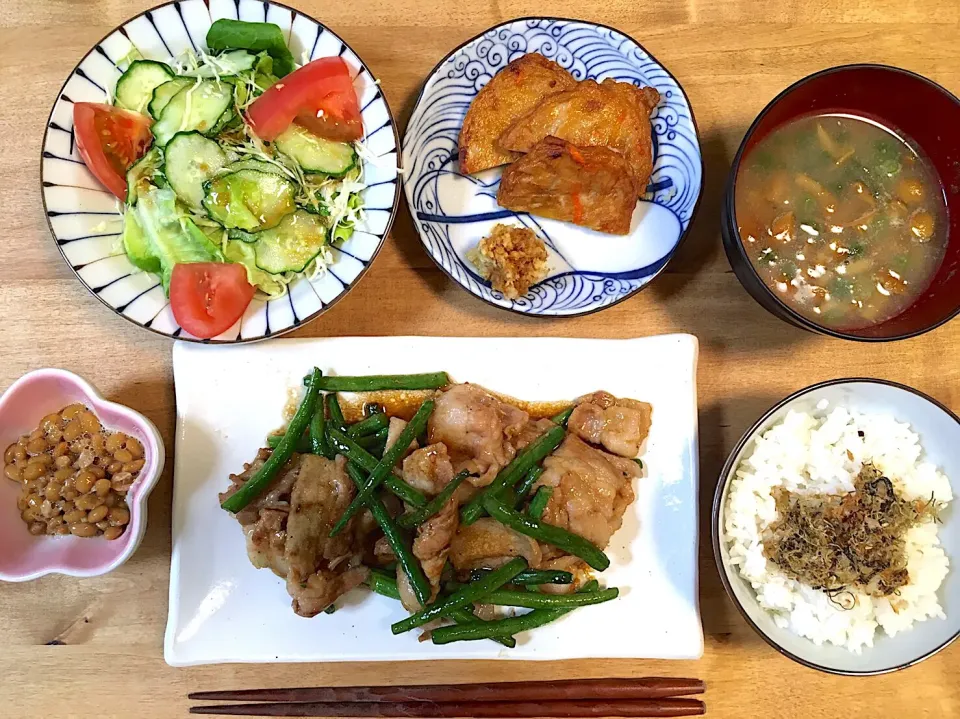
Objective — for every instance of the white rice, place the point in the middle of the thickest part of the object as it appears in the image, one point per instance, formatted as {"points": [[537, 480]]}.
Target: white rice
{"points": [[804, 453]]}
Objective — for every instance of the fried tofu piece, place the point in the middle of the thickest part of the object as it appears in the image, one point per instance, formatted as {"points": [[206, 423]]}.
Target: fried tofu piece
{"points": [[512, 258], [589, 186], [510, 94], [609, 114]]}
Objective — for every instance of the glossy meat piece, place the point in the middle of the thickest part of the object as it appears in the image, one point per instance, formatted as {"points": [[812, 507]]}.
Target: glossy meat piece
{"points": [[394, 429], [266, 538], [529, 432], [588, 186], [431, 547], [510, 94], [487, 543], [475, 426], [611, 114], [321, 568], [428, 469], [591, 489], [619, 425], [277, 494]]}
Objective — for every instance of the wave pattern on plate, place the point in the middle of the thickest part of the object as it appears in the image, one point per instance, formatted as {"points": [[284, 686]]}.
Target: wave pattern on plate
{"points": [[80, 209], [452, 212]]}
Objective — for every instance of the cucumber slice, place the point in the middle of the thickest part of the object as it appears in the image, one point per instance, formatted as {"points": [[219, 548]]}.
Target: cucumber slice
{"points": [[197, 107], [137, 246], [258, 165], [164, 93], [143, 174], [291, 245], [315, 154], [135, 87], [249, 200], [242, 236], [227, 64], [192, 159], [243, 254]]}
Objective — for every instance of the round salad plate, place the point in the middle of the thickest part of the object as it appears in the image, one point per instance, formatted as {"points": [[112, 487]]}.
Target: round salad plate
{"points": [[86, 219], [587, 270]]}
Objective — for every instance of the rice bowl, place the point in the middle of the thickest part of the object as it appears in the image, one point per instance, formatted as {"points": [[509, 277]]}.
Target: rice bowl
{"points": [[804, 453], [789, 616]]}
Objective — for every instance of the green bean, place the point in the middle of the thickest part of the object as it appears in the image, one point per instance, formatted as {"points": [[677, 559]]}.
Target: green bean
{"points": [[548, 534], [386, 465], [532, 577], [408, 563], [415, 519], [536, 600], [465, 615], [374, 383], [355, 453], [371, 425], [562, 418], [379, 444], [387, 587], [318, 433], [639, 463], [383, 585], [502, 627], [539, 502], [531, 455], [263, 476], [473, 592], [303, 446], [336, 414], [369, 442], [331, 609], [523, 489]]}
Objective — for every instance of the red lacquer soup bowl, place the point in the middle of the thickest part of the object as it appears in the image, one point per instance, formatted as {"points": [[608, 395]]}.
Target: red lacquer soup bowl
{"points": [[904, 102]]}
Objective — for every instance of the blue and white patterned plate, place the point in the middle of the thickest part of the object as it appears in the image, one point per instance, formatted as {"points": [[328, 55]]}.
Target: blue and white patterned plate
{"points": [[587, 270], [85, 218]]}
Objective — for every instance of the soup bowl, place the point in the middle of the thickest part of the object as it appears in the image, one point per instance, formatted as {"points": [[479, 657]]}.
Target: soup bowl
{"points": [[901, 101]]}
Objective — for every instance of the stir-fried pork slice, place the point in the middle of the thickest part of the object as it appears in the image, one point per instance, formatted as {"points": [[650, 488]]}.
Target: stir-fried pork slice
{"points": [[321, 568], [487, 543], [428, 469], [264, 520], [431, 547], [277, 494], [475, 426], [591, 489], [266, 538], [530, 432], [619, 425], [397, 426]]}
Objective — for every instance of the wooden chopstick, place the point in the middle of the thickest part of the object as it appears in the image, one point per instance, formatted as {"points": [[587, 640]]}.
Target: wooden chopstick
{"points": [[477, 709], [571, 689]]}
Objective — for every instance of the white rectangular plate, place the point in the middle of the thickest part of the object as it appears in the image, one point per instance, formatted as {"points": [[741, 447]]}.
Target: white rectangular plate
{"points": [[222, 609]]}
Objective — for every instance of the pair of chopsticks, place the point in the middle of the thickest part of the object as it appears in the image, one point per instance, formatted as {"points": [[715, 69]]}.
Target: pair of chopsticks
{"points": [[646, 697]]}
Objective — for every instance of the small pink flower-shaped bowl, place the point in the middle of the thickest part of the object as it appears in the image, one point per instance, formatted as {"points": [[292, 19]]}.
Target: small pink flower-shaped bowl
{"points": [[24, 556]]}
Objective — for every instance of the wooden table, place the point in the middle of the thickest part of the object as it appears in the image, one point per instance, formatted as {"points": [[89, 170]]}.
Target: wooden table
{"points": [[63, 640]]}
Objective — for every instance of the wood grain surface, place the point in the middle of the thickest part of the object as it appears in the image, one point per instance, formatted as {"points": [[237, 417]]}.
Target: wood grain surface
{"points": [[92, 647]]}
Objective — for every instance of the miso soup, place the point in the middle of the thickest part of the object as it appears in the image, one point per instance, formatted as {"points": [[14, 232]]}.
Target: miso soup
{"points": [[842, 218]]}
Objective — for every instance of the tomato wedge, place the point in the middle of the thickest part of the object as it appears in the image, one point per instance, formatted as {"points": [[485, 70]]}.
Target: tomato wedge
{"points": [[322, 87], [208, 297], [110, 140]]}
